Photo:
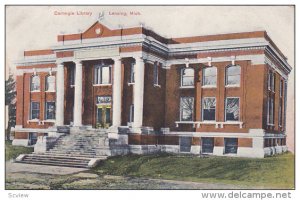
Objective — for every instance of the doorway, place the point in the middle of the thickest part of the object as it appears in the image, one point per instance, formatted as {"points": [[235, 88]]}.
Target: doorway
{"points": [[103, 119]]}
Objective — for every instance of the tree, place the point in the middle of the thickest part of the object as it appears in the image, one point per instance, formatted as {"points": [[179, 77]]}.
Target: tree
{"points": [[10, 101]]}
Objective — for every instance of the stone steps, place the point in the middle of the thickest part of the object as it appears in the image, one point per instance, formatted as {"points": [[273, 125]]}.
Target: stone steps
{"points": [[72, 150]]}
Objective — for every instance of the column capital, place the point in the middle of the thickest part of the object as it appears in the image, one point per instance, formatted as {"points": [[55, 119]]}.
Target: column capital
{"points": [[78, 62], [115, 59], [59, 63], [140, 59]]}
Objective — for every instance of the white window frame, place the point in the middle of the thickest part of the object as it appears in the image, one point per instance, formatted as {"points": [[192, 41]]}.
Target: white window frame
{"points": [[30, 117], [131, 113], [226, 76], [30, 86], [268, 111], [180, 107], [203, 77], [155, 74], [271, 81], [47, 84], [202, 109], [181, 78], [226, 109], [98, 75], [46, 110], [132, 74]]}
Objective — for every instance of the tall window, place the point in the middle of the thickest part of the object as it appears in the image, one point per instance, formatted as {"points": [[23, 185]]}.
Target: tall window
{"points": [[271, 81], [35, 83], [102, 74], [50, 83], [232, 109], [233, 75], [186, 108], [187, 77], [155, 74], [231, 145], [210, 76], [131, 113], [72, 75], [209, 108], [34, 110], [131, 78], [281, 99], [270, 110], [50, 110]]}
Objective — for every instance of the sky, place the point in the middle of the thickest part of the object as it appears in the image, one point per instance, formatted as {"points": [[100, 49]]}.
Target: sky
{"points": [[37, 27]]}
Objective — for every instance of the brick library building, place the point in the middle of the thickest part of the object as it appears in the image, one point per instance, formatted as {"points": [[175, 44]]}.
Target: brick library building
{"points": [[118, 90]]}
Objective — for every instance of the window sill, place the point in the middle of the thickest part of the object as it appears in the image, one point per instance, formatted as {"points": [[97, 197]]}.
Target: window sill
{"points": [[107, 84], [72, 86], [217, 124], [232, 86], [209, 86], [187, 87], [33, 120], [130, 83], [49, 120], [35, 91], [271, 124], [156, 85], [50, 91]]}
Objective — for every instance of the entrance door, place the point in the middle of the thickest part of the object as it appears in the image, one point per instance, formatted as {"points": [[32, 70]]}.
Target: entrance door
{"points": [[103, 117]]}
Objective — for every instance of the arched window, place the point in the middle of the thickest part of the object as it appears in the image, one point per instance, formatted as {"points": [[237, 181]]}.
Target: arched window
{"points": [[187, 77], [35, 83], [233, 75], [210, 76], [50, 83]]}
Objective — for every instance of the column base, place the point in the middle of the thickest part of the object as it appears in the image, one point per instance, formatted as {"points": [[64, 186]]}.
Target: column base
{"points": [[137, 130], [113, 132]]}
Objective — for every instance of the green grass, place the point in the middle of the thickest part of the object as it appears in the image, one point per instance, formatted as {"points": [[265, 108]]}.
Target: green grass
{"points": [[275, 172], [11, 152]]}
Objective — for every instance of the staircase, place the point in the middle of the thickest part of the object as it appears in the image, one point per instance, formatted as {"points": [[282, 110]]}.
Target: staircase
{"points": [[81, 149]]}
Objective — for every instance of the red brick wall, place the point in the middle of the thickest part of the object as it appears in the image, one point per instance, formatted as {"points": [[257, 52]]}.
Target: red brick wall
{"points": [[154, 98]]}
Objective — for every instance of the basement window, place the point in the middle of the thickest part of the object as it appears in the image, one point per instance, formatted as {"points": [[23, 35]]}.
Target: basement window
{"points": [[231, 145]]}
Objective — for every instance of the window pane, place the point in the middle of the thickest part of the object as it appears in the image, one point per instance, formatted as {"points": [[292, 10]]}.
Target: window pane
{"points": [[231, 145], [210, 76], [207, 145], [186, 107], [50, 83], [97, 75], [105, 75], [132, 73], [185, 144], [209, 109], [35, 110], [233, 75], [107, 115], [188, 77], [35, 83], [232, 109], [50, 110], [155, 74]]}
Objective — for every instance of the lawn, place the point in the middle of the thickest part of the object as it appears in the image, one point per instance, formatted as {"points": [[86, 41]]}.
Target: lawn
{"points": [[275, 172], [11, 152]]}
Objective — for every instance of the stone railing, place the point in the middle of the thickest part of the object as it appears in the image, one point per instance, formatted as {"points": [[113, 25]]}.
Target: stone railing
{"points": [[44, 143]]}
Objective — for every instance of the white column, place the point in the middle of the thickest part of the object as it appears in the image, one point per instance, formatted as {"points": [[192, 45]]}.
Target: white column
{"points": [[78, 95], [60, 95], [117, 84], [138, 102]]}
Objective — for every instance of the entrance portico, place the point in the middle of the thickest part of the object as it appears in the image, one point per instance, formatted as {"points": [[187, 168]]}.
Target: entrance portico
{"points": [[116, 95]]}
